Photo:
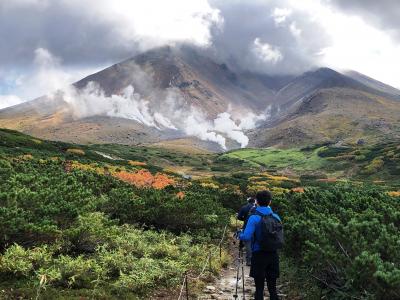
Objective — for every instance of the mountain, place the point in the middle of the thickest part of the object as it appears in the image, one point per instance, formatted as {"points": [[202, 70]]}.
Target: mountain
{"points": [[333, 115], [171, 84], [201, 81], [324, 78], [374, 84], [174, 95], [327, 106]]}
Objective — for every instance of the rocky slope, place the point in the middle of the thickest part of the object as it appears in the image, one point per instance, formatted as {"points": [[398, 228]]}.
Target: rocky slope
{"points": [[179, 93]]}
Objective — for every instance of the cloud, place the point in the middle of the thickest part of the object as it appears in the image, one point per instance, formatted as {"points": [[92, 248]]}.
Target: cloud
{"points": [[267, 36], [95, 33], [81, 37], [280, 15], [9, 100], [355, 43], [98, 31], [267, 52], [46, 76], [273, 37], [384, 14], [294, 29]]}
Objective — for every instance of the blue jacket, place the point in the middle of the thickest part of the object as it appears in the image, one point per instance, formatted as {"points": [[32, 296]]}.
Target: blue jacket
{"points": [[253, 227]]}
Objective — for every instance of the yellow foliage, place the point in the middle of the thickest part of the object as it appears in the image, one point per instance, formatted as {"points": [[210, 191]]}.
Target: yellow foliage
{"points": [[36, 141], [264, 183], [279, 190], [95, 168], [376, 164], [277, 178], [255, 188], [379, 181], [264, 174], [26, 156], [210, 185], [232, 188], [255, 178], [83, 167], [76, 151]]}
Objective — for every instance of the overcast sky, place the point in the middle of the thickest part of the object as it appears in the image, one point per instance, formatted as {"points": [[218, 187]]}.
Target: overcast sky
{"points": [[45, 43]]}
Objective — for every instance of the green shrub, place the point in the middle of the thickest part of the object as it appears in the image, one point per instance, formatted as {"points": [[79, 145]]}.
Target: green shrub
{"points": [[23, 262], [347, 237], [360, 157], [375, 165]]}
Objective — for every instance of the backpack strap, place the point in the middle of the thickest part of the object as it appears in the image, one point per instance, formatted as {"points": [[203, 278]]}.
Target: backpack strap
{"points": [[257, 213]]}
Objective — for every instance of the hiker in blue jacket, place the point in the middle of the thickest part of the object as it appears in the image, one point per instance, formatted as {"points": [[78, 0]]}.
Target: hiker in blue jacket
{"points": [[264, 264]]}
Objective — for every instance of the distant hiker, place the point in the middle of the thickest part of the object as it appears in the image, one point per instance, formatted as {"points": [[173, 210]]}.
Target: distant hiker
{"points": [[243, 215], [264, 228]]}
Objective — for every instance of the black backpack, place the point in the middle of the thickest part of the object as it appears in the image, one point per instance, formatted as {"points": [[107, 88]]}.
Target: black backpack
{"points": [[271, 232]]}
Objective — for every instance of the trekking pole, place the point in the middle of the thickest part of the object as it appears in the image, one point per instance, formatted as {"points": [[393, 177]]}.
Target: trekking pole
{"points": [[187, 286], [244, 296], [236, 224], [237, 276], [209, 260], [220, 253]]}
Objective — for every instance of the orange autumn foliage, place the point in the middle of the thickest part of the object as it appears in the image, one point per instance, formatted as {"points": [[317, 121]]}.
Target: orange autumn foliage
{"points": [[394, 193], [161, 181], [136, 163], [327, 180], [298, 190], [180, 195], [144, 179]]}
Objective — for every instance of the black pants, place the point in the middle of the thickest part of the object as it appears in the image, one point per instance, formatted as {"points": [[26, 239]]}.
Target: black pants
{"points": [[265, 267]]}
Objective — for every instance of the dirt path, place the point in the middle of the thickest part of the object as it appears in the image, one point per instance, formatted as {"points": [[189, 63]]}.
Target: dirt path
{"points": [[224, 287]]}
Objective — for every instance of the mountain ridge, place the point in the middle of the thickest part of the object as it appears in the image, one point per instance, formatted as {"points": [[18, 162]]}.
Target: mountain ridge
{"points": [[172, 85]]}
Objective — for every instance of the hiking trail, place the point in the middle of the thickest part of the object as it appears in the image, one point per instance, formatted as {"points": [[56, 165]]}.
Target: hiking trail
{"points": [[224, 286]]}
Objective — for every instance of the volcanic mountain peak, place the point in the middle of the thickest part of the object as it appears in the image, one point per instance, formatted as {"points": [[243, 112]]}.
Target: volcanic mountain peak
{"points": [[201, 81], [178, 92]]}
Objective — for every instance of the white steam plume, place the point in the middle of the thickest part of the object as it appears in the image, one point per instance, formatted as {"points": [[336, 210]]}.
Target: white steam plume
{"points": [[173, 115]]}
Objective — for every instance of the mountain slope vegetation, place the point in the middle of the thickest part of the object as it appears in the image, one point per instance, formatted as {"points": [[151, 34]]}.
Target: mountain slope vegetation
{"points": [[112, 222]]}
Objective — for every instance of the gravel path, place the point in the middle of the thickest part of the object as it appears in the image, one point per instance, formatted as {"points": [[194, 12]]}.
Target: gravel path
{"points": [[224, 287]]}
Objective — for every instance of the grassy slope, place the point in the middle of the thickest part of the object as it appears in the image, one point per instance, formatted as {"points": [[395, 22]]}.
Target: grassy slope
{"points": [[364, 162], [281, 159], [378, 162], [194, 164]]}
